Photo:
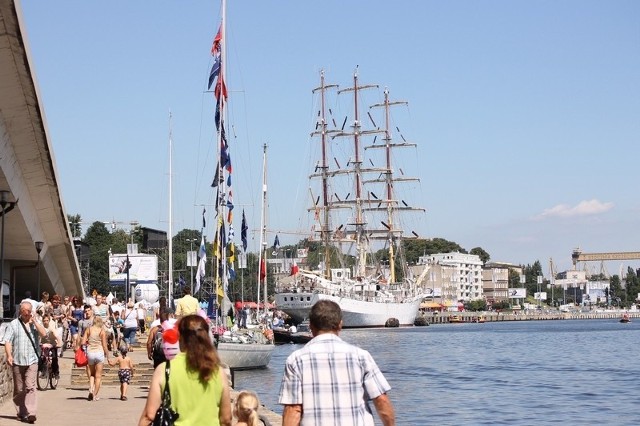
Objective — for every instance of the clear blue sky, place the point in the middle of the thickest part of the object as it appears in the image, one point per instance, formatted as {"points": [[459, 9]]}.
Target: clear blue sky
{"points": [[527, 114]]}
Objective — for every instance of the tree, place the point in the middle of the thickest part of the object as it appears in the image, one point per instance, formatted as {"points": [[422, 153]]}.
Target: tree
{"points": [[75, 225], [479, 251], [99, 241]]}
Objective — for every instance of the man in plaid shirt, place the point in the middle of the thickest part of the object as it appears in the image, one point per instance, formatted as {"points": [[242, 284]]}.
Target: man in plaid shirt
{"points": [[329, 382], [23, 359]]}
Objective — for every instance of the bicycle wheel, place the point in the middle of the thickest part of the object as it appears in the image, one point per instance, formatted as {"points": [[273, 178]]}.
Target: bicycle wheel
{"points": [[53, 379], [42, 379]]}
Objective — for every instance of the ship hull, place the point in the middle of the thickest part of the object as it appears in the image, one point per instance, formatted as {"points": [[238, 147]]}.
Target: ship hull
{"points": [[245, 356], [355, 313]]}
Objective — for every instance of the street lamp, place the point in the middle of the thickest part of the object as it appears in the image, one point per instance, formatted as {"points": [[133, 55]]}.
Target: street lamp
{"points": [[5, 207], [39, 245]]}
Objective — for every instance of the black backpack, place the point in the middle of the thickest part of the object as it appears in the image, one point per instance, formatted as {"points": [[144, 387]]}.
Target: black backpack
{"points": [[157, 353]]}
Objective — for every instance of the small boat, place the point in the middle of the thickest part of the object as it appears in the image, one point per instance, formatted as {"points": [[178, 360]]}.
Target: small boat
{"points": [[302, 335], [455, 319], [625, 318], [297, 335]]}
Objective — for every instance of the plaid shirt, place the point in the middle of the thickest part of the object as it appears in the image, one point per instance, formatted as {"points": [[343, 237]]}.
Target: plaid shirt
{"points": [[23, 352], [333, 381]]}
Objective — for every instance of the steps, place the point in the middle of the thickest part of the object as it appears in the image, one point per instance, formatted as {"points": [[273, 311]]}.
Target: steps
{"points": [[142, 373]]}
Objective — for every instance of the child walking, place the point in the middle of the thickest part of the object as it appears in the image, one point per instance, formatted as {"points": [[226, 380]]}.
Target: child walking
{"points": [[125, 371], [246, 409]]}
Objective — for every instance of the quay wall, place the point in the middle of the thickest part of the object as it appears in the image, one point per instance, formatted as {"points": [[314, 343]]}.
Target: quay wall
{"points": [[443, 317]]}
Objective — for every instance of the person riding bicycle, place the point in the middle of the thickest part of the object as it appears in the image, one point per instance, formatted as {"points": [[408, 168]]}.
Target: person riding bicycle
{"points": [[51, 338]]}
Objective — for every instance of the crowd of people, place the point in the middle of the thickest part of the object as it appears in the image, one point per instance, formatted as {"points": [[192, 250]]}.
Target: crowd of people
{"points": [[328, 381]]}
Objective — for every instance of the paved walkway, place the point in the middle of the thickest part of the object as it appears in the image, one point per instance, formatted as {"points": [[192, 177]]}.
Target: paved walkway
{"points": [[68, 403]]}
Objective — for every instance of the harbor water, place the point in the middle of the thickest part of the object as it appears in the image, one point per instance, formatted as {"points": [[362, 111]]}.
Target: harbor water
{"points": [[583, 372]]}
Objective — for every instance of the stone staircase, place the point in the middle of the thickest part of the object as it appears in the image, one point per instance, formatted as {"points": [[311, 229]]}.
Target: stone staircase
{"points": [[143, 368]]}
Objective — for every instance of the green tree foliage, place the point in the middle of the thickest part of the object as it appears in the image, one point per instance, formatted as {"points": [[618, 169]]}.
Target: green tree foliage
{"points": [[476, 305], [99, 241], [479, 251], [75, 225], [616, 292], [632, 287], [413, 249]]}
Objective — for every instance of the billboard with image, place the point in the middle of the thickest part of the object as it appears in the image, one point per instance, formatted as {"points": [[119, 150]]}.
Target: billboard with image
{"points": [[143, 270]]}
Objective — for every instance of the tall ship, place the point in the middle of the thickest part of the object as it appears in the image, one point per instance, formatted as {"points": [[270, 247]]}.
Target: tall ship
{"points": [[356, 213]]}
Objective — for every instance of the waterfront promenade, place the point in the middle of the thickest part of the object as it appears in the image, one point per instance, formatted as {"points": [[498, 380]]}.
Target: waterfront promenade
{"points": [[68, 403]]}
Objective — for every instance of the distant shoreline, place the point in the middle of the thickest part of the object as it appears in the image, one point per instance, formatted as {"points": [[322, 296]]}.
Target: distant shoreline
{"points": [[472, 317]]}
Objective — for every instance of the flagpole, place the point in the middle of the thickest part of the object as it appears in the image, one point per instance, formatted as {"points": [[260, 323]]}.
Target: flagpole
{"points": [[263, 227], [170, 291]]}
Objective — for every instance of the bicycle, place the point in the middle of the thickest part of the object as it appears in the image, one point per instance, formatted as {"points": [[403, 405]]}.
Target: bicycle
{"points": [[46, 378]]}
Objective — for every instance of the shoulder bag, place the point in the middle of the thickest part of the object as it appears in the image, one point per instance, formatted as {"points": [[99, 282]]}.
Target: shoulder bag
{"points": [[40, 359], [165, 416]]}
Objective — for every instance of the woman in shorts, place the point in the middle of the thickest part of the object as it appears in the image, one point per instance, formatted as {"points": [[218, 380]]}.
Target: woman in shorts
{"points": [[97, 353]]}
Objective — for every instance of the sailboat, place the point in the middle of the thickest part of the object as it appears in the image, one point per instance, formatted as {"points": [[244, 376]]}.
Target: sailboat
{"points": [[251, 348], [368, 293]]}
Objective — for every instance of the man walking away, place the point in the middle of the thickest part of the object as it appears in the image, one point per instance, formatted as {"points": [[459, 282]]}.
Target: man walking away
{"points": [[20, 347], [188, 305], [329, 382]]}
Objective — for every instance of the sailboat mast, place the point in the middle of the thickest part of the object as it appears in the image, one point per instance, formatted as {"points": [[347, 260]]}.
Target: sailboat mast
{"points": [[263, 232], [170, 290]]}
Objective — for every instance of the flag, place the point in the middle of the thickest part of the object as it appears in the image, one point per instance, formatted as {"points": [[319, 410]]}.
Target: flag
{"points": [[276, 245], [215, 70], [215, 48], [294, 268], [232, 253], [243, 232], [263, 270], [204, 222], [202, 254], [216, 51]]}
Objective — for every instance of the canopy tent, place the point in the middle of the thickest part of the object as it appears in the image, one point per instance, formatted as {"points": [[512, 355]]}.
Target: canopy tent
{"points": [[430, 305]]}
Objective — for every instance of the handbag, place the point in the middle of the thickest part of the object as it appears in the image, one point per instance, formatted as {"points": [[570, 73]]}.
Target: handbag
{"points": [[165, 416], [80, 358]]}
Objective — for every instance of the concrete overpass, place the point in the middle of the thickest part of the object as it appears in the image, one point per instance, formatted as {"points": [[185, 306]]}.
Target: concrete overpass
{"points": [[28, 173]]}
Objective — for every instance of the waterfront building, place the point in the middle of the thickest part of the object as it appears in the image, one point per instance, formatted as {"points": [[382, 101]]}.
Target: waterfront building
{"points": [[495, 283], [460, 275]]}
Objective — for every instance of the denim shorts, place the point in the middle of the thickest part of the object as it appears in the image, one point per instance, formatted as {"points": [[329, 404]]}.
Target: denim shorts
{"points": [[129, 335], [95, 357]]}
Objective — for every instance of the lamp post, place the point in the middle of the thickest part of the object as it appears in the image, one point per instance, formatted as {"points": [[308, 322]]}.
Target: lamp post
{"points": [[39, 245]]}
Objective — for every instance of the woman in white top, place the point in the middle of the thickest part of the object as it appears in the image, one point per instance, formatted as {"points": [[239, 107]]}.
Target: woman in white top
{"points": [[130, 318]]}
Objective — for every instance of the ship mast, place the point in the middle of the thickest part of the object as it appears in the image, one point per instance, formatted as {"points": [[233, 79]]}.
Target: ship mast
{"points": [[392, 232], [325, 226], [359, 222]]}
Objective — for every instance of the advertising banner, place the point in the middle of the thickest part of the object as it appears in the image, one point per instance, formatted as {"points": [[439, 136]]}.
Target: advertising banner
{"points": [[517, 293], [433, 292], [540, 296], [144, 269]]}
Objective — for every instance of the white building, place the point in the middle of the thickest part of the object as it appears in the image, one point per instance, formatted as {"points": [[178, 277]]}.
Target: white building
{"points": [[460, 275]]}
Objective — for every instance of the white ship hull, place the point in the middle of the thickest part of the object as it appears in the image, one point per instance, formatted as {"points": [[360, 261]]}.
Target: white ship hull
{"points": [[355, 313], [245, 356]]}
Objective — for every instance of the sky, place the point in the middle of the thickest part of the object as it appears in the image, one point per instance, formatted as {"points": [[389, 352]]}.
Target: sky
{"points": [[526, 114]]}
